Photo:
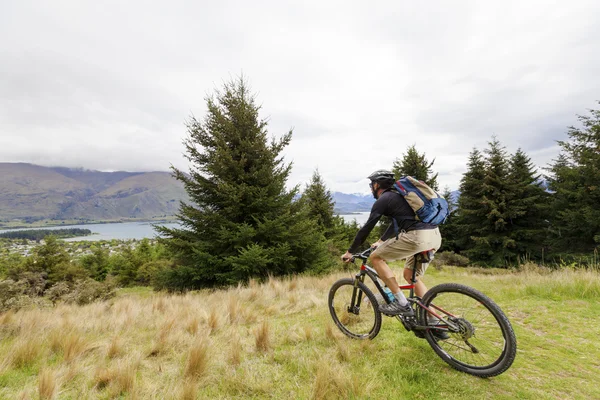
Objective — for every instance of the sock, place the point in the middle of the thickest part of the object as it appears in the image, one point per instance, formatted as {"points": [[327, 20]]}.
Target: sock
{"points": [[401, 298]]}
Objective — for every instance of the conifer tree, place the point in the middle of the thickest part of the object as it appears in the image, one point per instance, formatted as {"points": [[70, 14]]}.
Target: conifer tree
{"points": [[416, 165], [575, 179], [527, 206], [319, 202], [493, 245], [241, 221], [470, 213]]}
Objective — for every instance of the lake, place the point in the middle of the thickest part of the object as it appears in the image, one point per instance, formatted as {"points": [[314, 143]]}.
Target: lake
{"points": [[141, 230], [121, 231]]}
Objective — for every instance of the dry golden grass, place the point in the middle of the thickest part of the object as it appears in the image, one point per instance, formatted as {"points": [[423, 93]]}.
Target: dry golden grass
{"points": [[103, 377], [332, 382], [25, 352], [262, 339], [198, 360], [115, 348], [192, 326], [124, 379], [72, 345], [47, 384], [189, 390], [235, 351], [213, 321], [276, 340]]}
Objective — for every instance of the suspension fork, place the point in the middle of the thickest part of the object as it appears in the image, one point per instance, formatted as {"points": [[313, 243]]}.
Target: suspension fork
{"points": [[357, 295]]}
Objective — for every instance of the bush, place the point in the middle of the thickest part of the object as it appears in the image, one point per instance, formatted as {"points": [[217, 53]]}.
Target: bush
{"points": [[85, 291], [450, 258], [13, 295]]}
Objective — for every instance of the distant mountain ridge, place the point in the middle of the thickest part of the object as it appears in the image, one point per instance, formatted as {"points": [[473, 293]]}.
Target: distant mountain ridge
{"points": [[30, 192], [351, 203]]}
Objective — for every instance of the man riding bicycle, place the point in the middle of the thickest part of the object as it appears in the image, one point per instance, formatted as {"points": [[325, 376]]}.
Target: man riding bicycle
{"points": [[403, 239]]}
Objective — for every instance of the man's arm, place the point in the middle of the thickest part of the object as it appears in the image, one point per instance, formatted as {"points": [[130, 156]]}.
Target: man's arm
{"points": [[362, 234]]}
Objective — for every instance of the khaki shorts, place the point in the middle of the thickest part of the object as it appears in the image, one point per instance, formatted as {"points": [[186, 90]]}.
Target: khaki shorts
{"points": [[409, 244]]}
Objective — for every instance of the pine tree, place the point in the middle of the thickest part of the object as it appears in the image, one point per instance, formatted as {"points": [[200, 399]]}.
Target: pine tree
{"points": [[470, 213], [416, 165], [493, 245], [575, 179], [319, 202], [527, 207], [241, 221]]}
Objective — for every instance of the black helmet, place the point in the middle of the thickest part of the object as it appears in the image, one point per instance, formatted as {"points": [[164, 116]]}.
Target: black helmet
{"points": [[382, 176]]}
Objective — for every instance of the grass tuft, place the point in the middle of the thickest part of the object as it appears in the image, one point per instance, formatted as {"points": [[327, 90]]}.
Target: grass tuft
{"points": [[103, 377], [47, 384], [189, 390], [193, 326], [262, 339], [197, 361], [235, 351], [115, 348], [213, 321], [72, 346], [26, 351]]}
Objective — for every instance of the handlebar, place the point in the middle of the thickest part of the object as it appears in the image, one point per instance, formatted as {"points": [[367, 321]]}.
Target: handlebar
{"points": [[364, 255]]}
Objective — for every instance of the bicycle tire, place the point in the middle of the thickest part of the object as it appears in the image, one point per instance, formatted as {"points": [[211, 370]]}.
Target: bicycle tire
{"points": [[443, 296], [340, 297]]}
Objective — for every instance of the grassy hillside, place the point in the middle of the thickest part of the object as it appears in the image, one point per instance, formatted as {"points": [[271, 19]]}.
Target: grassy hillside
{"points": [[29, 192], [276, 340]]}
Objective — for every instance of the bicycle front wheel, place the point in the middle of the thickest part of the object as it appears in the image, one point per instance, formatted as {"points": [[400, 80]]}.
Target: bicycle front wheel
{"points": [[354, 309], [481, 339]]}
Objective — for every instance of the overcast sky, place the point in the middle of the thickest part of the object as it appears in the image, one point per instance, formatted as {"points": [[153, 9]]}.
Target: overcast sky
{"points": [[108, 85]]}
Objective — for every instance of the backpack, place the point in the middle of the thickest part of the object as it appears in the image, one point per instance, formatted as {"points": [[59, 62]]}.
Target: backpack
{"points": [[428, 205]]}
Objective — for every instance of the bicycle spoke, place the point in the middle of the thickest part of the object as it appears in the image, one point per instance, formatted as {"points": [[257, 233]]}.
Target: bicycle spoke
{"points": [[477, 325], [352, 309]]}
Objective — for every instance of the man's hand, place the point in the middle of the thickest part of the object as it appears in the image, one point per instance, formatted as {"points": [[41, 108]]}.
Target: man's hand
{"points": [[347, 257]]}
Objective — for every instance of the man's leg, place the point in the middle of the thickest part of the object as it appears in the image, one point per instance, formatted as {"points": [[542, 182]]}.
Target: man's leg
{"points": [[387, 276], [420, 288]]}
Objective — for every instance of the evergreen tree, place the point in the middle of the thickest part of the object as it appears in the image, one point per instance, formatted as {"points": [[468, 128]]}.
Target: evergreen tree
{"points": [[575, 179], [241, 221], [416, 165], [470, 214], [527, 207], [319, 202], [493, 245]]}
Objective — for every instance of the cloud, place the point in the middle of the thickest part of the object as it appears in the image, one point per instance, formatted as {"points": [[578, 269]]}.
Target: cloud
{"points": [[110, 85]]}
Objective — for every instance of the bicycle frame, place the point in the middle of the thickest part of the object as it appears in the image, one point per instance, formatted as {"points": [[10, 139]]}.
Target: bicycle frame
{"points": [[366, 270]]}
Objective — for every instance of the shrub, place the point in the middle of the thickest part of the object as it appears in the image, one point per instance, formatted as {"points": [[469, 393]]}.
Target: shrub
{"points": [[450, 258], [56, 292], [84, 291], [14, 296]]}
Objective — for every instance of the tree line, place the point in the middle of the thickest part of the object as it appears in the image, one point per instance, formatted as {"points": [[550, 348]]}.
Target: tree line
{"points": [[39, 234], [243, 222], [508, 212]]}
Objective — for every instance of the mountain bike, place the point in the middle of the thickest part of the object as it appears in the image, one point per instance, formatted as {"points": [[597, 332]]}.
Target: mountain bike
{"points": [[478, 338]]}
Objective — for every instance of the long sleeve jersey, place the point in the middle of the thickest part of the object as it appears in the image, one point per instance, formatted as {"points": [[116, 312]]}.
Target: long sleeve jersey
{"points": [[389, 204]]}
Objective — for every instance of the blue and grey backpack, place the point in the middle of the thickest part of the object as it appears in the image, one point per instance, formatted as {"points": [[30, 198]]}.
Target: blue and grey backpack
{"points": [[428, 205]]}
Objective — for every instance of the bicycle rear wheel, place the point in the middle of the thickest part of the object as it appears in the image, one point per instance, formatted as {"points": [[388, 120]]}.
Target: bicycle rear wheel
{"points": [[482, 341], [354, 309]]}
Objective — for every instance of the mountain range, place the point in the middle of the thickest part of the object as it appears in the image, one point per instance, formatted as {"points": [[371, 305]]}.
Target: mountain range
{"points": [[31, 192]]}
